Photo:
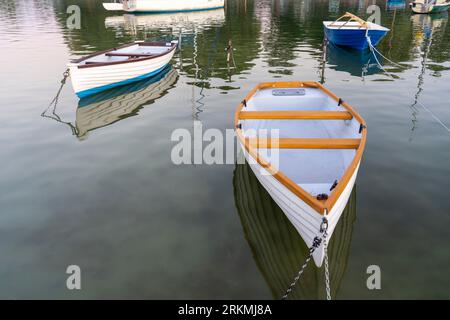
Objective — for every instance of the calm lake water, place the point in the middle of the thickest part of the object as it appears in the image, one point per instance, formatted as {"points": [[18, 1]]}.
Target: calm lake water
{"points": [[97, 189]]}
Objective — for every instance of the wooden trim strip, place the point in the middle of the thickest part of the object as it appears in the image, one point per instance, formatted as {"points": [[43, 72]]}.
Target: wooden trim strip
{"points": [[296, 115], [155, 44], [114, 54], [303, 143]]}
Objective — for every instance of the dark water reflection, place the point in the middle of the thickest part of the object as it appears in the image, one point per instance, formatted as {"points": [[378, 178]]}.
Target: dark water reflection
{"points": [[141, 227]]}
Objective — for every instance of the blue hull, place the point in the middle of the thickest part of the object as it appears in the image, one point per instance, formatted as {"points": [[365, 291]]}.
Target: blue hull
{"points": [[123, 90], [355, 39], [86, 93]]}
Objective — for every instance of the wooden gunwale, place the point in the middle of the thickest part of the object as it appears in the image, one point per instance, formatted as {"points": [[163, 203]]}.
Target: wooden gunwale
{"points": [[319, 205], [100, 64], [299, 115]]}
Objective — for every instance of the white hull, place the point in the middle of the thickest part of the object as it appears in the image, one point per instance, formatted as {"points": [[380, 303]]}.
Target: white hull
{"points": [[305, 219], [113, 6], [170, 5], [86, 81]]}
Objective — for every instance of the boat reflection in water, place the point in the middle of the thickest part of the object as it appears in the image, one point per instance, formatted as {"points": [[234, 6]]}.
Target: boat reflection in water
{"points": [[278, 249], [175, 21], [110, 106], [356, 62], [395, 4], [428, 32]]}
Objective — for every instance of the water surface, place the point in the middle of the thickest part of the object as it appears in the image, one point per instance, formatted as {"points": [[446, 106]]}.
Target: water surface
{"points": [[98, 189]]}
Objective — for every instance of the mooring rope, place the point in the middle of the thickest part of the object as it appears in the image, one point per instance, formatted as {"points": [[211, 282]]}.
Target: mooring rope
{"points": [[435, 117], [375, 52]]}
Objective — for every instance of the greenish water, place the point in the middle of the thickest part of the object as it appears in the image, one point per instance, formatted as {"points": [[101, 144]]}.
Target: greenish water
{"points": [[109, 199]]}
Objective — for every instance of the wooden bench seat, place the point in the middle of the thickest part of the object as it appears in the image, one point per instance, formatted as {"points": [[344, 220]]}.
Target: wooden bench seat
{"points": [[296, 115]]}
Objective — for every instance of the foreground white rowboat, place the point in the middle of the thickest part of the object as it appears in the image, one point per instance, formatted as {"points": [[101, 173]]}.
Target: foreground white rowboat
{"points": [[320, 145], [116, 67]]}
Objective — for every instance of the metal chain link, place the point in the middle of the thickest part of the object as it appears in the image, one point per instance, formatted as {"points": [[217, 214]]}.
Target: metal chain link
{"points": [[327, 272], [325, 249], [316, 244], [52, 106]]}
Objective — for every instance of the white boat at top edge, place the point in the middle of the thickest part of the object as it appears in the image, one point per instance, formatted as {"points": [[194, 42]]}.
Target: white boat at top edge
{"points": [[312, 167], [165, 5], [197, 20], [429, 6], [113, 6], [119, 66]]}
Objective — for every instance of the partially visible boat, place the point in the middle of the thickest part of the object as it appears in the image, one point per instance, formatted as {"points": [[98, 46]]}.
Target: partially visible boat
{"points": [[311, 167], [278, 249], [353, 32], [164, 6], [113, 6], [119, 66], [107, 107], [175, 21], [429, 6]]}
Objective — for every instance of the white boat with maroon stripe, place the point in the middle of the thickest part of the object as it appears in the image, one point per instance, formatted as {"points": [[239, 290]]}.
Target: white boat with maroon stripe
{"points": [[118, 66]]}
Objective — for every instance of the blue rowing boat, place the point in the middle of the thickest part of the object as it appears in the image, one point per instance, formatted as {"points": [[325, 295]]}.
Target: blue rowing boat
{"points": [[354, 33]]}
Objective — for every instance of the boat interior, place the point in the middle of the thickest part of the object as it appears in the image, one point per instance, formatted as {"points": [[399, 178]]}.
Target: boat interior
{"points": [[318, 137], [132, 52], [353, 25]]}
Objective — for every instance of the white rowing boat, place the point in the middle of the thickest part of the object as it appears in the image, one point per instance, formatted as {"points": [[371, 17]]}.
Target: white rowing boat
{"points": [[312, 167], [158, 6], [119, 66]]}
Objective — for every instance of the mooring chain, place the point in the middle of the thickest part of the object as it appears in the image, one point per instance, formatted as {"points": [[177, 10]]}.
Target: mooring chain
{"points": [[325, 248], [316, 244], [54, 103]]}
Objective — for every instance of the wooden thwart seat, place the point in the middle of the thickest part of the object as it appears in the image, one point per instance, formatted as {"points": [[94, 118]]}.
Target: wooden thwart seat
{"points": [[118, 54], [303, 143], [296, 115]]}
